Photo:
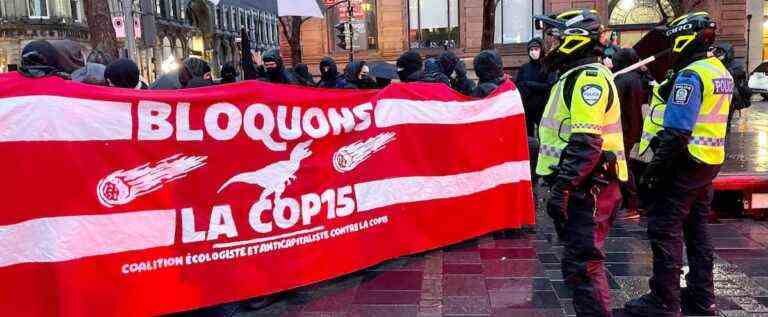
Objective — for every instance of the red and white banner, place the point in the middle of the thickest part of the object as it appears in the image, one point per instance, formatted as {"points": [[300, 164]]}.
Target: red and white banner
{"points": [[119, 202]]}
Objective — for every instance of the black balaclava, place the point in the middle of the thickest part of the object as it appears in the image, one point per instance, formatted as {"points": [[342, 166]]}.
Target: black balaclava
{"points": [[122, 73], [408, 64], [448, 61], [724, 51], [273, 55], [624, 58], [228, 73], [352, 75], [489, 66], [302, 70], [328, 69]]}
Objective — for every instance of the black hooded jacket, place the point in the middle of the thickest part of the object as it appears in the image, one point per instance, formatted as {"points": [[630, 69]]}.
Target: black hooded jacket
{"points": [[451, 64], [534, 83], [353, 80], [632, 95], [279, 74], [329, 74], [433, 73], [409, 66], [741, 91], [228, 73], [303, 75], [198, 70], [123, 73], [490, 73]]}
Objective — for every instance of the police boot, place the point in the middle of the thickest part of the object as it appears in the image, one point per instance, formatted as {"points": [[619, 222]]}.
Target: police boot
{"points": [[650, 305], [692, 308]]}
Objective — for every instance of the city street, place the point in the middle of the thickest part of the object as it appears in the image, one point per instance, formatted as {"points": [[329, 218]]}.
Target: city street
{"points": [[520, 275]]}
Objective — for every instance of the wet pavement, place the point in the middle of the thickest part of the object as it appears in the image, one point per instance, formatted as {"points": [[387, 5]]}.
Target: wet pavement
{"points": [[747, 148], [519, 275]]}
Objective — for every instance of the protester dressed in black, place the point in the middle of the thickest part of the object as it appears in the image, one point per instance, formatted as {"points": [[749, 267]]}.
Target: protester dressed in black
{"points": [[534, 83], [329, 74], [490, 73], [632, 95]]}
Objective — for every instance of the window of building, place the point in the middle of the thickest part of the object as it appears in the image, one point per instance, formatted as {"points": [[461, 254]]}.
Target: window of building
{"points": [[632, 19], [260, 29], [217, 18], [433, 23], [2, 14], [167, 51], [225, 18], [628, 12], [364, 26], [179, 49], [75, 9], [38, 8], [233, 18], [174, 9], [160, 7], [513, 20]]}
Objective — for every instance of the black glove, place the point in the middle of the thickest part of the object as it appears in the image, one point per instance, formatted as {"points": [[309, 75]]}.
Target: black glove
{"points": [[557, 208], [650, 178], [461, 70]]}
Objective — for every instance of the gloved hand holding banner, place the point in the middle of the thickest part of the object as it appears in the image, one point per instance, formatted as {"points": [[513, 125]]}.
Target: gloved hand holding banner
{"points": [[119, 202]]}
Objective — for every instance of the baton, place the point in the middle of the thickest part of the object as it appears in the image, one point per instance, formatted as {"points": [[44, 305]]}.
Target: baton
{"points": [[642, 63]]}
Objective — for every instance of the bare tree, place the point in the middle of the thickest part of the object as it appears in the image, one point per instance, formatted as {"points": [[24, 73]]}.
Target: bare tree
{"points": [[489, 23], [100, 26], [291, 27]]}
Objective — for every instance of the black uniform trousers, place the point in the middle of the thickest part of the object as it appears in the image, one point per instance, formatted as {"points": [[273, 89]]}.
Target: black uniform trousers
{"points": [[591, 211], [679, 216]]}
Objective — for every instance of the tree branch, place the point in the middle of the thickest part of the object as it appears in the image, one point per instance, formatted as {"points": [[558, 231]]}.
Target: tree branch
{"points": [[285, 30]]}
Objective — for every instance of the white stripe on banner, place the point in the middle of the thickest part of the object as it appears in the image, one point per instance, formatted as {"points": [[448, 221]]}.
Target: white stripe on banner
{"points": [[391, 112], [53, 118], [387, 192], [59, 239]]}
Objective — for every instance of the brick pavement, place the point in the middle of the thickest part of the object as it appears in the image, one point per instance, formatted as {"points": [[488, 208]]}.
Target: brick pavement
{"points": [[519, 275]]}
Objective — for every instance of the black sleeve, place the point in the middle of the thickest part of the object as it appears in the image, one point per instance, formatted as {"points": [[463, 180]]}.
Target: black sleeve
{"points": [[246, 60], [671, 144], [520, 77], [579, 159], [536, 86]]}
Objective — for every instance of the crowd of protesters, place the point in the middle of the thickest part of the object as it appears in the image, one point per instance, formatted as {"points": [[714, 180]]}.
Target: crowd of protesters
{"points": [[533, 79], [64, 59]]}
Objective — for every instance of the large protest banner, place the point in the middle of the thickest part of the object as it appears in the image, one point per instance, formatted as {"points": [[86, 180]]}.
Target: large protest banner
{"points": [[119, 202]]}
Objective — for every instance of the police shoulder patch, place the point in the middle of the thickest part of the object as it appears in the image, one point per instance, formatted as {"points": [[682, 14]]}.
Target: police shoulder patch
{"points": [[681, 93], [591, 93]]}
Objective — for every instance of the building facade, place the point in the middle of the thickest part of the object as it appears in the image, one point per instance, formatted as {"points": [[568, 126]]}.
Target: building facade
{"points": [[22, 21], [181, 28], [385, 28]]}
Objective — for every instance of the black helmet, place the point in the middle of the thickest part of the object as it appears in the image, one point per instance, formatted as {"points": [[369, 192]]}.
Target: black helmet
{"points": [[691, 34], [577, 31]]}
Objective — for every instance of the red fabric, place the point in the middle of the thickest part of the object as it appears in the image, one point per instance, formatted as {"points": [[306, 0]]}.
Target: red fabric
{"points": [[51, 179]]}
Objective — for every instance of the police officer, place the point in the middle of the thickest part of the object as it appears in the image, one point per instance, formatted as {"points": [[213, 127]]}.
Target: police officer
{"points": [[582, 153], [689, 156]]}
